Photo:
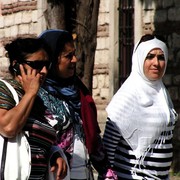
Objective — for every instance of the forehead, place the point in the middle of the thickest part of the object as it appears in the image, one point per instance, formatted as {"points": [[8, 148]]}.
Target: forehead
{"points": [[156, 51], [69, 46], [41, 54]]}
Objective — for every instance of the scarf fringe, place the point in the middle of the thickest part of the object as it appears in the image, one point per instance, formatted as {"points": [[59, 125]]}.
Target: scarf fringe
{"points": [[140, 161], [158, 142]]}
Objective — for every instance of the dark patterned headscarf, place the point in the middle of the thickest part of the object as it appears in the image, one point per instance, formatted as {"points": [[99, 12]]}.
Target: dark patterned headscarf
{"points": [[56, 39]]}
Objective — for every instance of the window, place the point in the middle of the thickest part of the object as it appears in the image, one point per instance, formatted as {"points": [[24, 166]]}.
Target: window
{"points": [[126, 38]]}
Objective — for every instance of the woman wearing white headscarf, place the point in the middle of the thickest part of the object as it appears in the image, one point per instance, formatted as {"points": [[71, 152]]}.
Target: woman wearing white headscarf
{"points": [[141, 118]]}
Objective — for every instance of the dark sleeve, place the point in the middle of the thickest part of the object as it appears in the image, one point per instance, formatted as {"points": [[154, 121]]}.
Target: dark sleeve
{"points": [[99, 158], [103, 159], [54, 158], [111, 140]]}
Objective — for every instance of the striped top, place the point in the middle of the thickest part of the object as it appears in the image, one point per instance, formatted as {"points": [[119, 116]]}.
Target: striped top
{"points": [[157, 161], [41, 134]]}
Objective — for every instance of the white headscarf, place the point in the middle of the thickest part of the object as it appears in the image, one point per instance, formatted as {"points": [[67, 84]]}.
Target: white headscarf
{"points": [[140, 53], [140, 108]]}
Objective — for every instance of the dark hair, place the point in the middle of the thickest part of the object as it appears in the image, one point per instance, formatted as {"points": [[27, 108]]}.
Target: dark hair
{"points": [[148, 37], [20, 48], [63, 39]]}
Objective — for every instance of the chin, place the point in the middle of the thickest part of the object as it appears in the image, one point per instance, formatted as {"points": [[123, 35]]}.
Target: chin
{"points": [[41, 82], [154, 78], [66, 77]]}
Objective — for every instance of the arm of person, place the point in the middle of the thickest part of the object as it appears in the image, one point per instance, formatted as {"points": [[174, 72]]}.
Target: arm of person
{"points": [[13, 120], [111, 139], [59, 168], [103, 161]]}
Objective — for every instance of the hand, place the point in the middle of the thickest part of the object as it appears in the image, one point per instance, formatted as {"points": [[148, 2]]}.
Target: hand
{"points": [[60, 168], [29, 79], [111, 175]]}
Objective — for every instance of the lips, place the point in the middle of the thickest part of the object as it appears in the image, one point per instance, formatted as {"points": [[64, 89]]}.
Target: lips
{"points": [[42, 77], [72, 68], [154, 70]]}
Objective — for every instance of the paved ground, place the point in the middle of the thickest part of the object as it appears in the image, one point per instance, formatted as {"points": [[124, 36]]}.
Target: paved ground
{"points": [[172, 178], [175, 178]]}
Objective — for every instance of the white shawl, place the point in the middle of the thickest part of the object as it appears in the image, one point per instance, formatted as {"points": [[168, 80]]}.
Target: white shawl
{"points": [[140, 108]]}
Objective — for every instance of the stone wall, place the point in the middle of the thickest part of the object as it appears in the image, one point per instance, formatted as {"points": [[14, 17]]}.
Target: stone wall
{"points": [[101, 67], [17, 18]]}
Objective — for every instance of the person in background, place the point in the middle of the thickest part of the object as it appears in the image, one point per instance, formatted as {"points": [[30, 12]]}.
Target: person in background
{"points": [[141, 117], [29, 63], [73, 109]]}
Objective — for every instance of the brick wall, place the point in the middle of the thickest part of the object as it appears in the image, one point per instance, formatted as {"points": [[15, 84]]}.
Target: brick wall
{"points": [[17, 18], [101, 66]]}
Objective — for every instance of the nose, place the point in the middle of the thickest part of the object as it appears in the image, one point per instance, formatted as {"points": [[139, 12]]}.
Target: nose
{"points": [[44, 70], [156, 60], [74, 59]]}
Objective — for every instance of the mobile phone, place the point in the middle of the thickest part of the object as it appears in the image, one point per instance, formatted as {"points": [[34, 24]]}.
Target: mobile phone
{"points": [[16, 68]]}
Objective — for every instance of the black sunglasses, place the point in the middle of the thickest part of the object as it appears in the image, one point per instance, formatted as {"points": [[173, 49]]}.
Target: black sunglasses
{"points": [[38, 64]]}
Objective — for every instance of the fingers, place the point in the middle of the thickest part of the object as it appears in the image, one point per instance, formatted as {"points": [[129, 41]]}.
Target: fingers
{"points": [[21, 69], [61, 169], [61, 173], [29, 79], [64, 170], [27, 72]]}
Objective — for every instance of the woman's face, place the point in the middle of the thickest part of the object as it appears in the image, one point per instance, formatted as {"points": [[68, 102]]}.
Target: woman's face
{"points": [[39, 61], [66, 65], [154, 64]]}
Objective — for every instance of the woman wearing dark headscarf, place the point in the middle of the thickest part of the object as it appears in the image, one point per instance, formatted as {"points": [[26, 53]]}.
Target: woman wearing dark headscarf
{"points": [[72, 108], [141, 117]]}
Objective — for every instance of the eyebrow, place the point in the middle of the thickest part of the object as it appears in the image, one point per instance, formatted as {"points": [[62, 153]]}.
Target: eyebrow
{"points": [[155, 53]]}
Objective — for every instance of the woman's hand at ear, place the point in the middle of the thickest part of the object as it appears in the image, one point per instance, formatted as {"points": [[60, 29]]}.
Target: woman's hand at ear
{"points": [[29, 79]]}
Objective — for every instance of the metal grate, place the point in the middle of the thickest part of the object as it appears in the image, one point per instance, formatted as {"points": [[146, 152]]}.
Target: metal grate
{"points": [[126, 38]]}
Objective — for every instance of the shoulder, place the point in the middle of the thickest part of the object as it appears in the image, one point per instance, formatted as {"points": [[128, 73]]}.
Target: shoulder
{"points": [[17, 86], [81, 86], [6, 98], [3, 87]]}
